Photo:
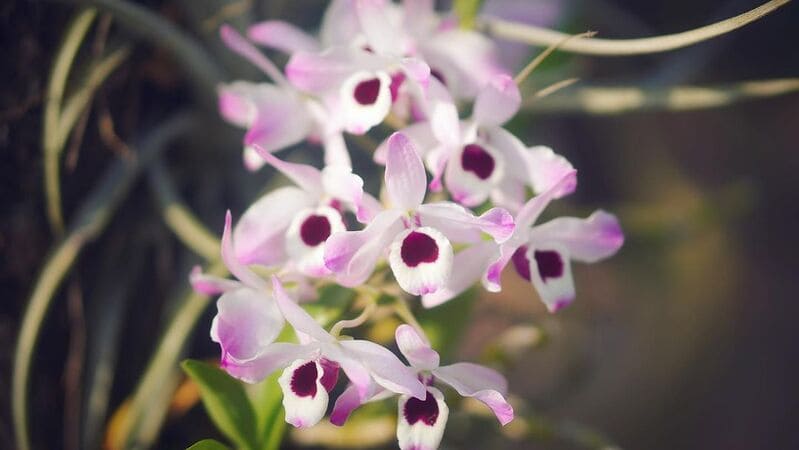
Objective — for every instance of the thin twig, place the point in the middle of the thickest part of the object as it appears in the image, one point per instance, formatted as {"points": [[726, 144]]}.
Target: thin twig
{"points": [[619, 100], [533, 35], [555, 87], [528, 69], [89, 223], [356, 322]]}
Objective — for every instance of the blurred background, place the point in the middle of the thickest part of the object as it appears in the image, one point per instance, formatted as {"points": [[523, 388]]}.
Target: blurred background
{"points": [[685, 339]]}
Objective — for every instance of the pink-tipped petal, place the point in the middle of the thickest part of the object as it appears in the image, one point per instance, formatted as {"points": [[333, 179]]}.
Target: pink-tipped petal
{"points": [[238, 102], [352, 255], [442, 114], [416, 348], [259, 236], [533, 208], [587, 240], [307, 177], [482, 383], [239, 270], [417, 71], [282, 119], [471, 263], [421, 136], [492, 279], [497, 102], [282, 36], [347, 402], [386, 369], [247, 321], [457, 222], [243, 47], [296, 316], [406, 181], [209, 284], [319, 72]]}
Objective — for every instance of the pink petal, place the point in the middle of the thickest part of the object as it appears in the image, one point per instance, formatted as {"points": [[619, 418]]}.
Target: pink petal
{"points": [[466, 59], [406, 181], [307, 177], [340, 183], [240, 45], [275, 356], [383, 37], [282, 119], [239, 270], [587, 240], [421, 136], [237, 102], [497, 102], [282, 36], [386, 369], [455, 220], [296, 316], [482, 383], [533, 208], [259, 235], [442, 114], [209, 284], [352, 255], [416, 348], [346, 403], [319, 72], [247, 321]]}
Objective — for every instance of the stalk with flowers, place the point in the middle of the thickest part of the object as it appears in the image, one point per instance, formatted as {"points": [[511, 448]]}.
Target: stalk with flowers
{"points": [[375, 62]]}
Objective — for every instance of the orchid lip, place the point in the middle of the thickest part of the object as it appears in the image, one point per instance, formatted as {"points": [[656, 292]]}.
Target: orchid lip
{"points": [[366, 92], [303, 380], [315, 230], [425, 411], [550, 264], [418, 248], [477, 160]]}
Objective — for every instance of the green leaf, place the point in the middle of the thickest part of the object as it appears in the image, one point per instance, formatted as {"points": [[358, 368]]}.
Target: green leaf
{"points": [[444, 324], [268, 401], [226, 403], [208, 444], [467, 10], [334, 301]]}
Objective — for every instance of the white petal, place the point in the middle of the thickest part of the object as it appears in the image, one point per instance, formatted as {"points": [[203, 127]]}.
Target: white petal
{"points": [[246, 322], [551, 274], [386, 369], [421, 423], [365, 99], [421, 136], [497, 102], [482, 383], [340, 183], [304, 397], [461, 225], [306, 236], [421, 260], [406, 180]]}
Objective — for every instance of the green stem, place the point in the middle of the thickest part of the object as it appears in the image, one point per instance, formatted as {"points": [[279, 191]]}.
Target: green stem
{"points": [[90, 221]]}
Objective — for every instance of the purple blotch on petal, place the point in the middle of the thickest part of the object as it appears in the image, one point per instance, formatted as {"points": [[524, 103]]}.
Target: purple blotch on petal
{"points": [[425, 410], [303, 380], [329, 374], [475, 159], [366, 91], [315, 230], [418, 248], [396, 82], [521, 263], [550, 265]]}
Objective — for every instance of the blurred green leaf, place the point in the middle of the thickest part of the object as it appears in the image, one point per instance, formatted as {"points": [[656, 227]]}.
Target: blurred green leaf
{"points": [[226, 402], [467, 10], [269, 411], [444, 324], [334, 301], [208, 444]]}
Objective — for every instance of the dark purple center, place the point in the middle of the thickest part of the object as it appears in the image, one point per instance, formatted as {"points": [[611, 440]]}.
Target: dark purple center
{"points": [[521, 263], [425, 410], [476, 159], [418, 248], [366, 91], [438, 76], [550, 265], [303, 380], [315, 230]]}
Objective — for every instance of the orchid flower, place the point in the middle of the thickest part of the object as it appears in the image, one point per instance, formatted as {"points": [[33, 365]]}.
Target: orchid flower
{"points": [[542, 253], [420, 253], [478, 159], [311, 367], [290, 224], [422, 421], [276, 116]]}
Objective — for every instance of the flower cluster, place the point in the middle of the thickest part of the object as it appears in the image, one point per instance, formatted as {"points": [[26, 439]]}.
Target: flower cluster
{"points": [[373, 59]]}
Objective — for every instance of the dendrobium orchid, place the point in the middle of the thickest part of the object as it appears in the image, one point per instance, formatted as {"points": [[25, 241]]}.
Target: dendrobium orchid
{"points": [[415, 234], [421, 421], [290, 225], [374, 59]]}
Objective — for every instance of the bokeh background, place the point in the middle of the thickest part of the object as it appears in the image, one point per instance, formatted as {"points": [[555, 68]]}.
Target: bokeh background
{"points": [[685, 339]]}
